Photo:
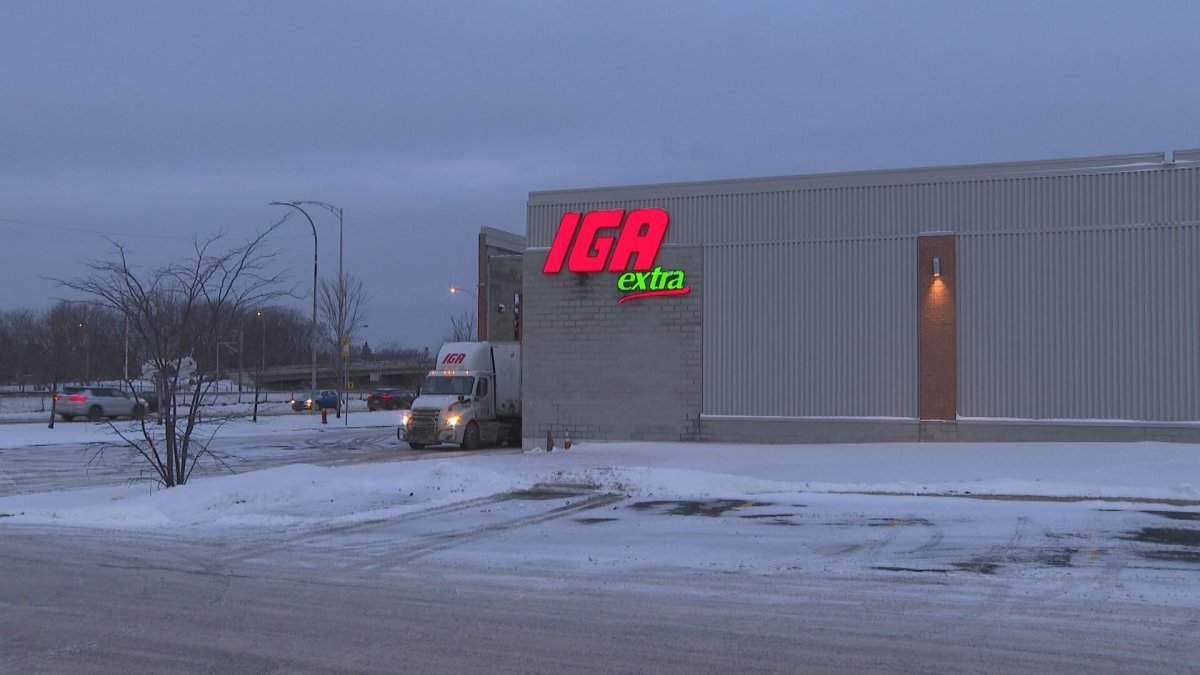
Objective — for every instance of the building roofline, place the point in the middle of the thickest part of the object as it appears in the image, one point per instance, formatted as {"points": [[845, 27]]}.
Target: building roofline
{"points": [[877, 177], [510, 241]]}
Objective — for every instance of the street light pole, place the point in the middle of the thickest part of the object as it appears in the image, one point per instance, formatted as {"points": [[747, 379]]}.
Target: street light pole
{"points": [[342, 331], [455, 290], [262, 364], [312, 331], [87, 353], [126, 373]]}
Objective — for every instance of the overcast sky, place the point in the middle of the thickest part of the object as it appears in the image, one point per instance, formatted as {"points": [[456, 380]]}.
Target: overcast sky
{"points": [[156, 121]]}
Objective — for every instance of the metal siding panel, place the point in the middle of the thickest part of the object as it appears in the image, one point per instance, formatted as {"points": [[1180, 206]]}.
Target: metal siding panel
{"points": [[965, 206], [1050, 321], [817, 329], [1080, 325]]}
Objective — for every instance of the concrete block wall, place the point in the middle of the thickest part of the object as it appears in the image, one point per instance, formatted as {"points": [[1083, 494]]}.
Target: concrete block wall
{"points": [[608, 371]]}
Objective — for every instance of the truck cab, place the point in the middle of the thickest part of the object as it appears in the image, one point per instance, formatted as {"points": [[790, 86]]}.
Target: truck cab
{"points": [[472, 398]]}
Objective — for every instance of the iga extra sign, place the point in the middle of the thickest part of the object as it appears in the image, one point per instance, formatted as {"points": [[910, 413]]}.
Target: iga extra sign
{"points": [[580, 245]]}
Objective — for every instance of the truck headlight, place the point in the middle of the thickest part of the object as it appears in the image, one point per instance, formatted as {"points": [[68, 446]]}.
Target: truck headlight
{"points": [[453, 420], [405, 418]]}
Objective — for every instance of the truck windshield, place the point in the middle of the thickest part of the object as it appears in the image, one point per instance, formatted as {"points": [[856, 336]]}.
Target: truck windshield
{"points": [[454, 385]]}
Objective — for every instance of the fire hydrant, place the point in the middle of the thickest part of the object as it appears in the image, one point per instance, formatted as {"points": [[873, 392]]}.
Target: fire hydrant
{"points": [[324, 416]]}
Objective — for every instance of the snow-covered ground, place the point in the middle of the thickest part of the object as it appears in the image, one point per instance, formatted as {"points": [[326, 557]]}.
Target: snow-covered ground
{"points": [[301, 494], [1071, 531]]}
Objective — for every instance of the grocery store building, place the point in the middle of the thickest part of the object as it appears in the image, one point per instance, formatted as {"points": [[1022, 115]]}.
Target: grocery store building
{"points": [[1049, 300]]}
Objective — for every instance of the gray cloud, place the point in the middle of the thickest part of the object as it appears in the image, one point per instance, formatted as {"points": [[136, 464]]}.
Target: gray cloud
{"points": [[425, 121]]}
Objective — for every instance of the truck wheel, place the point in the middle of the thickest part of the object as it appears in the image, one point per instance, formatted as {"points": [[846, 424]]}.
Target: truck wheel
{"points": [[471, 437], [95, 413]]}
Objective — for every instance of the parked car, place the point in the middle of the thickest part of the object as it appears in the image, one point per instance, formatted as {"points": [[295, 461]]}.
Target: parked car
{"points": [[96, 403], [326, 398], [151, 398], [389, 398]]}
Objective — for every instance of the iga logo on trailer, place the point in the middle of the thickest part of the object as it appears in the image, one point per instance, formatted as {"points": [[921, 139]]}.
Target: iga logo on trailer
{"points": [[456, 357], [580, 245]]}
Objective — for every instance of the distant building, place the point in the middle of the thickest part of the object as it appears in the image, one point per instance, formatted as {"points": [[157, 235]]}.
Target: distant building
{"points": [[187, 370], [500, 275]]}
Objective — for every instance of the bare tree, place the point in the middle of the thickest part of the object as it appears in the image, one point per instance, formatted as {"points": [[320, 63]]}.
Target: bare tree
{"points": [[10, 347], [171, 309], [462, 328], [336, 325], [52, 343], [341, 308], [394, 351]]}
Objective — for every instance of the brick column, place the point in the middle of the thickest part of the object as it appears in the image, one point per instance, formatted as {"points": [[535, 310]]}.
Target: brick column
{"points": [[937, 338]]}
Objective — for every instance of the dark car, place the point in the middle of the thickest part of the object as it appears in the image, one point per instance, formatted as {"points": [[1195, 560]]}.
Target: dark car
{"points": [[326, 398], [151, 398], [389, 398]]}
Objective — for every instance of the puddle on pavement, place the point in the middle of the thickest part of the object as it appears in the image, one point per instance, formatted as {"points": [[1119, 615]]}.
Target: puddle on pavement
{"points": [[896, 522], [1173, 556], [539, 495], [784, 519], [906, 569], [1173, 536], [977, 566], [593, 521], [712, 507], [1176, 515], [1060, 558]]}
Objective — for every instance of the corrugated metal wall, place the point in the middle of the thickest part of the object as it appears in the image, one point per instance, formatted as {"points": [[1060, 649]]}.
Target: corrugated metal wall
{"points": [[1074, 300], [816, 208], [1082, 324], [811, 329]]}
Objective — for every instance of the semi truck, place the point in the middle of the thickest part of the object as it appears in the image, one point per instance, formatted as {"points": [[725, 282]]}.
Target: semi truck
{"points": [[472, 397]]}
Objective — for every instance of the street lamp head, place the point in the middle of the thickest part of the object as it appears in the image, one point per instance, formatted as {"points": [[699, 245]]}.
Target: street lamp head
{"points": [[455, 290]]}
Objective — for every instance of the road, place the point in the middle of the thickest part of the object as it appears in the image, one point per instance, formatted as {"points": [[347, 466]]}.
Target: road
{"points": [[562, 578], [490, 586]]}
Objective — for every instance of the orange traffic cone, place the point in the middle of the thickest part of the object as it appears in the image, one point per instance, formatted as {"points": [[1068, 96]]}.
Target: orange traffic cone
{"points": [[549, 442], [567, 441]]}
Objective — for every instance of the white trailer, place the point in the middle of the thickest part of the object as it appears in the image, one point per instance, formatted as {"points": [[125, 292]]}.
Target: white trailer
{"points": [[471, 398]]}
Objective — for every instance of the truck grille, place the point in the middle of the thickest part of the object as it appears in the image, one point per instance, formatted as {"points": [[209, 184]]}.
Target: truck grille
{"points": [[422, 428]]}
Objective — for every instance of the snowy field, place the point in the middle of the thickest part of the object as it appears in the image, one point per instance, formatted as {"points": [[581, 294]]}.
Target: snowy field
{"points": [[775, 484], [926, 557], [1163, 472], [222, 397]]}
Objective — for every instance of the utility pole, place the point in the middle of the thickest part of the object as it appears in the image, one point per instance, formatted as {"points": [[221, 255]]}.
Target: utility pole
{"points": [[127, 351], [241, 351], [262, 364], [342, 331], [312, 336]]}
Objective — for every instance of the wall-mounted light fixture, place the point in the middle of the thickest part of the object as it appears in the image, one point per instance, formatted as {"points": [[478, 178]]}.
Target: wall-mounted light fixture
{"points": [[937, 267]]}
